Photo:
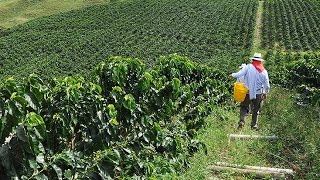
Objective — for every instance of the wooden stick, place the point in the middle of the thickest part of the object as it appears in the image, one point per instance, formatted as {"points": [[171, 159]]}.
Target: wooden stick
{"points": [[247, 171], [286, 171], [244, 136]]}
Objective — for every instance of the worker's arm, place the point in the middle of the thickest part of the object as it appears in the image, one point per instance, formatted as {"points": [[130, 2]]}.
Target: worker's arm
{"points": [[240, 73]]}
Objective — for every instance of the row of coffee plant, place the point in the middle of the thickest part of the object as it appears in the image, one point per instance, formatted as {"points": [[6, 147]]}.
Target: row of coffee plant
{"points": [[73, 42], [129, 121], [297, 70], [291, 25]]}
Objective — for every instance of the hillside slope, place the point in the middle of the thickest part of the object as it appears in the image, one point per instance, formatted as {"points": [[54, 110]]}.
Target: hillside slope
{"points": [[213, 32]]}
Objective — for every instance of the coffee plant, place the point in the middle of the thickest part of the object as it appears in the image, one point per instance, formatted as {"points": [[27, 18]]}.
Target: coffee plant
{"points": [[291, 25], [74, 42], [297, 70], [128, 122]]}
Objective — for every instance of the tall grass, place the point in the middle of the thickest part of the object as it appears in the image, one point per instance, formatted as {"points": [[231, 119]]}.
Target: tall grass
{"points": [[298, 128], [297, 147]]}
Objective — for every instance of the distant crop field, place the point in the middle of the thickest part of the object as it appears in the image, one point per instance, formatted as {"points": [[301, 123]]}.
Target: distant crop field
{"points": [[291, 25], [212, 32], [15, 12]]}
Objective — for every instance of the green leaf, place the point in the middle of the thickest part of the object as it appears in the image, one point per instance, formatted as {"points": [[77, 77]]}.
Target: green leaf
{"points": [[94, 87], [36, 85], [10, 85], [114, 157], [5, 159], [33, 102], [39, 135], [14, 110], [41, 176], [145, 138], [18, 98], [58, 171], [129, 102], [34, 143], [68, 174], [145, 82], [114, 122], [21, 134], [176, 84], [37, 93], [103, 171], [33, 164], [74, 118], [41, 148], [117, 154], [100, 68], [40, 159], [34, 119], [73, 92], [116, 93], [127, 150], [157, 126], [112, 111]]}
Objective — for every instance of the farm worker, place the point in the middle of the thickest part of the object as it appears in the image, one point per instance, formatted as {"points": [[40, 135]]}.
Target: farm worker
{"points": [[250, 108], [256, 79]]}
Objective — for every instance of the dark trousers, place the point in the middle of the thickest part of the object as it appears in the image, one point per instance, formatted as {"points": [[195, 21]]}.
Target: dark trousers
{"points": [[244, 106]]}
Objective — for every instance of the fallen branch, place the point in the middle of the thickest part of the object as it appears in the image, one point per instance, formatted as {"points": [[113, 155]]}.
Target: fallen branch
{"points": [[244, 136], [258, 173], [279, 170]]}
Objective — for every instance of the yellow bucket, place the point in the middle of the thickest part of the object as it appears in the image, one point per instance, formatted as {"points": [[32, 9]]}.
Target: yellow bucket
{"points": [[239, 91]]}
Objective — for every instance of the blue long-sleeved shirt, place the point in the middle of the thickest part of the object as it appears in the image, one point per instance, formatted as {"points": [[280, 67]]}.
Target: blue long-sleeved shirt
{"points": [[256, 82]]}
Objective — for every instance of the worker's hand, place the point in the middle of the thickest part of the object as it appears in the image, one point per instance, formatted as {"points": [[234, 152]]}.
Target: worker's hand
{"points": [[263, 96]]}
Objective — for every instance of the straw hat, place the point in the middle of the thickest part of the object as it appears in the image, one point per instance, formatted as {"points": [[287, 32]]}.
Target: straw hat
{"points": [[257, 57]]}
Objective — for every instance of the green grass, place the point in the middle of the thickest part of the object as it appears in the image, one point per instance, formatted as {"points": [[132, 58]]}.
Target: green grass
{"points": [[258, 29], [15, 12], [297, 128], [220, 149]]}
